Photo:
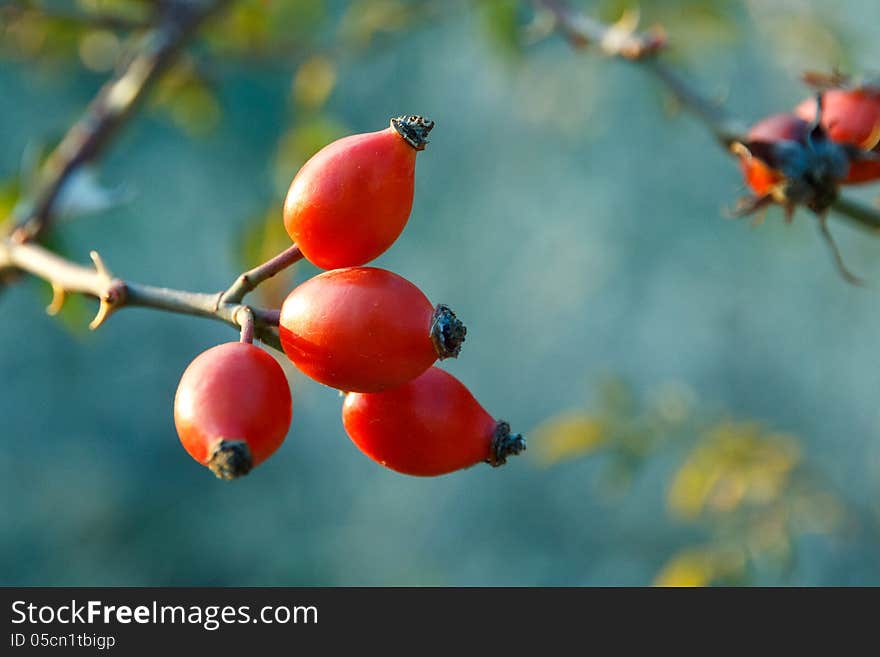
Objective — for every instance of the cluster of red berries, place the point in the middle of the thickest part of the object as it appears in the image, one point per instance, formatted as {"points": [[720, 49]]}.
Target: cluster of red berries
{"points": [[803, 157], [365, 331]]}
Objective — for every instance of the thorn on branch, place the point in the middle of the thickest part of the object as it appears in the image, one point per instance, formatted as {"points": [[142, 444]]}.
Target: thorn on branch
{"points": [[112, 298], [59, 296], [100, 267]]}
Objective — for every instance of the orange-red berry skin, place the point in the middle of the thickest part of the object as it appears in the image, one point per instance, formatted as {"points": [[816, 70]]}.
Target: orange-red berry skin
{"points": [[358, 329], [233, 391], [760, 177], [352, 199], [850, 116], [427, 427]]}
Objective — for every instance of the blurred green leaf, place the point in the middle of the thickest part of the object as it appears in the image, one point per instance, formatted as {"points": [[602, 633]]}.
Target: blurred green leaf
{"points": [[702, 566], [32, 35], [77, 310], [748, 488], [260, 27], [616, 397], [736, 463], [10, 191], [131, 9], [314, 81], [365, 21], [99, 50], [56, 31], [307, 136], [75, 314], [501, 21], [809, 38], [566, 436], [187, 98]]}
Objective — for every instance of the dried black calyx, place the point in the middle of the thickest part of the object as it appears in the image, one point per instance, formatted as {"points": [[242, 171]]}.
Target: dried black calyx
{"points": [[505, 444], [230, 459], [447, 332], [414, 130]]}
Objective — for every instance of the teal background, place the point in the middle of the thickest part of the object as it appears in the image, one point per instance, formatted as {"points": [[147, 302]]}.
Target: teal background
{"points": [[571, 222]]}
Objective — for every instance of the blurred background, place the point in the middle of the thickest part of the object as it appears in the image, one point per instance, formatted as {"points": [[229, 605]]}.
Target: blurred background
{"points": [[700, 396]]}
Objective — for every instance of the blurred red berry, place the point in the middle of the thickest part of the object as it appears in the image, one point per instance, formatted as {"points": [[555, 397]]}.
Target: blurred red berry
{"points": [[851, 116]]}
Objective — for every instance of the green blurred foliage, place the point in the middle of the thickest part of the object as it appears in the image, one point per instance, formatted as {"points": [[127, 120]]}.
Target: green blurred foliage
{"points": [[56, 31], [502, 21], [803, 36], [314, 81], [302, 140], [133, 10], [623, 428], [188, 98], [10, 190], [365, 23], [749, 491], [259, 28], [34, 35]]}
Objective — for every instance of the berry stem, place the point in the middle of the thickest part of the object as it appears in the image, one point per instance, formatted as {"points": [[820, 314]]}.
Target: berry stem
{"points": [[245, 318], [505, 444], [250, 279]]}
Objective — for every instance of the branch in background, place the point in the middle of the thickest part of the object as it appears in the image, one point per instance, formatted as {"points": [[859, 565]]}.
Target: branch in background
{"points": [[116, 101], [114, 293], [866, 216], [623, 41], [726, 129]]}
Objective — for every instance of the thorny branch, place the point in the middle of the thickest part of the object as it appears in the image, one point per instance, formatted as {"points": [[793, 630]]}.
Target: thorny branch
{"points": [[114, 293], [116, 101], [176, 21], [622, 40]]}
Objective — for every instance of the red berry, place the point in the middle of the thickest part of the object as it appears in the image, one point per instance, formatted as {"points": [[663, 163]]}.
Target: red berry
{"points": [[364, 329], [232, 409], [851, 116], [429, 426], [759, 176], [352, 199]]}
